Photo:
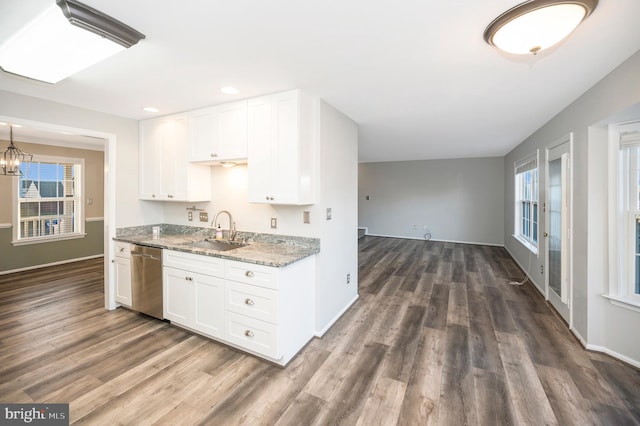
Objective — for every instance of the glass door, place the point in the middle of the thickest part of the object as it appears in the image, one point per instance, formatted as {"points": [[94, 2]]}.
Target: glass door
{"points": [[558, 244]]}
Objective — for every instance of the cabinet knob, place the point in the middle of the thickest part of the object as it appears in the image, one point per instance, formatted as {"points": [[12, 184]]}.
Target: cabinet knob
{"points": [[248, 302], [188, 278], [121, 249], [248, 333], [153, 195], [249, 274], [214, 155], [170, 196]]}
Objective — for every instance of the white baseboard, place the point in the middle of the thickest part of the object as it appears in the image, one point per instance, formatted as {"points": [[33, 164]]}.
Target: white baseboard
{"points": [[582, 340], [535, 284], [404, 237], [62, 262], [336, 318], [614, 354]]}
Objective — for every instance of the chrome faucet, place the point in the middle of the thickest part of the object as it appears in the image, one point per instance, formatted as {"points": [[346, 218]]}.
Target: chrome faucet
{"points": [[232, 224]]}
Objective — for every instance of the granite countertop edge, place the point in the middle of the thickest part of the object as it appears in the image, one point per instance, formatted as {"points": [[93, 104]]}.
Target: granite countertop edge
{"points": [[260, 249]]}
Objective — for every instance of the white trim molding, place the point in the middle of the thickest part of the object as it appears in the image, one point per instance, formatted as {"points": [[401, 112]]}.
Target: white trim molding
{"points": [[62, 262], [614, 354], [326, 328], [6, 225], [94, 219]]}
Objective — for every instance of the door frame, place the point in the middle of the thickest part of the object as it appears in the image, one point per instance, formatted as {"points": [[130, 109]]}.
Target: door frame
{"points": [[567, 139]]}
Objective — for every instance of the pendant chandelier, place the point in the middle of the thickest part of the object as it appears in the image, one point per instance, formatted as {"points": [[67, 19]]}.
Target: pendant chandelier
{"points": [[13, 157]]}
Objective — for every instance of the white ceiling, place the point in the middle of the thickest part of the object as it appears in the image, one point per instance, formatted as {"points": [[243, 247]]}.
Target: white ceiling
{"points": [[416, 76]]}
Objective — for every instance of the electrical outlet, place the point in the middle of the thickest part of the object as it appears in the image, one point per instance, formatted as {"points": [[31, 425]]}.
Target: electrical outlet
{"points": [[190, 216], [204, 217], [274, 223], [329, 213], [348, 278], [305, 217]]}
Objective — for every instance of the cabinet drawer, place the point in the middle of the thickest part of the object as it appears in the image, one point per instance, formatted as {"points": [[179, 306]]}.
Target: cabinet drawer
{"points": [[122, 249], [251, 301], [197, 263], [248, 273], [251, 334]]}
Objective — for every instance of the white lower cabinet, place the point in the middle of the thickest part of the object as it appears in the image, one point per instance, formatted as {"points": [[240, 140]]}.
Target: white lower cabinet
{"points": [[263, 310], [191, 299], [269, 311], [122, 273]]}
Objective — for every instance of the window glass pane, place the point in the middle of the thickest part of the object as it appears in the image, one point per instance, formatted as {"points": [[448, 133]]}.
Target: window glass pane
{"points": [[535, 223], [48, 199]]}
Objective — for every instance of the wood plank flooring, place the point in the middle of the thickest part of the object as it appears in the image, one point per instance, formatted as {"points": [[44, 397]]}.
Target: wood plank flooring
{"points": [[438, 337]]}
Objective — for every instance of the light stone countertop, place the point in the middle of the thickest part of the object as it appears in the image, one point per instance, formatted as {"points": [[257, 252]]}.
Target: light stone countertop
{"points": [[262, 249]]}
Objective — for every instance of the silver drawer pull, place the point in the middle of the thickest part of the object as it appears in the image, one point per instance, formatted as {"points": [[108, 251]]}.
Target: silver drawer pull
{"points": [[248, 333], [248, 302], [249, 274]]}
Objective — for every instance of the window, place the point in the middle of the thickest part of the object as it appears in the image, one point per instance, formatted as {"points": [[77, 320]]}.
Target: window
{"points": [[49, 200], [626, 285], [526, 202]]}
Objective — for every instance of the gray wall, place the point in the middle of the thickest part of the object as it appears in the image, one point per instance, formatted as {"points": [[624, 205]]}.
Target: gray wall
{"points": [[457, 200], [19, 257], [596, 321], [33, 255]]}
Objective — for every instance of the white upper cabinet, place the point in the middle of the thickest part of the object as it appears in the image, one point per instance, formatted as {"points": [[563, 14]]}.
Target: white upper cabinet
{"points": [[282, 148], [219, 133], [165, 171]]}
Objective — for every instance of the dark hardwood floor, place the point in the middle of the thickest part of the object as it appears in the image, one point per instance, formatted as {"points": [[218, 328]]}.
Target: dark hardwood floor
{"points": [[438, 336]]}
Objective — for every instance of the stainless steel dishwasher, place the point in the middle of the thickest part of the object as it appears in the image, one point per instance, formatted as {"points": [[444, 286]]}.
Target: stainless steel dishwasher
{"points": [[146, 280]]}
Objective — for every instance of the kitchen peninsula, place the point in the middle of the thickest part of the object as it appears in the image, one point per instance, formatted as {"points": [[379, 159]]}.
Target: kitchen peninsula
{"points": [[258, 297]]}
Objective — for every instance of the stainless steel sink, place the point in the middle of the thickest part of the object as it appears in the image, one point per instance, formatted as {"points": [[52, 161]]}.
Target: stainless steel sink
{"points": [[216, 245]]}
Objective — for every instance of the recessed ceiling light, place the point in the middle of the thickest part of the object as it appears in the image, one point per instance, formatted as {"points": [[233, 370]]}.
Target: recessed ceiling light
{"points": [[535, 25], [150, 109], [229, 90]]}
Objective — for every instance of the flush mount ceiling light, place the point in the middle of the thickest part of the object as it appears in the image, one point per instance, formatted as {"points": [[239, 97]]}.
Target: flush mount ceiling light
{"points": [[13, 157], [535, 25], [64, 40]]}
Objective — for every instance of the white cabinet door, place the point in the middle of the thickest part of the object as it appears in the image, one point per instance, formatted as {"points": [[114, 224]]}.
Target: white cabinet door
{"points": [[209, 305], [178, 296], [282, 149], [260, 150], [219, 133], [150, 159], [123, 280], [165, 172]]}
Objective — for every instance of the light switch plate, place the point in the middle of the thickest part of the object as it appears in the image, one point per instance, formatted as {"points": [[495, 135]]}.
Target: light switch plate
{"points": [[274, 223], [305, 217], [204, 217], [329, 213]]}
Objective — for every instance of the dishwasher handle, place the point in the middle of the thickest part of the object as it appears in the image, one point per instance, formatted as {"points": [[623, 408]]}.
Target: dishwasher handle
{"points": [[147, 256]]}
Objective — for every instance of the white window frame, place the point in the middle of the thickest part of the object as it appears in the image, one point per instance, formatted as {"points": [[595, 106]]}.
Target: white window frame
{"points": [[79, 188], [624, 211], [519, 168]]}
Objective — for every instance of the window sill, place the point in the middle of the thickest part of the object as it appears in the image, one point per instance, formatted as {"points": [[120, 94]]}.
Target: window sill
{"points": [[48, 239], [623, 303], [532, 248]]}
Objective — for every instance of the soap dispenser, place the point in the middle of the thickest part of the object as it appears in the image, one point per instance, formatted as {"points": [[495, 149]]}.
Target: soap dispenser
{"points": [[218, 233]]}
